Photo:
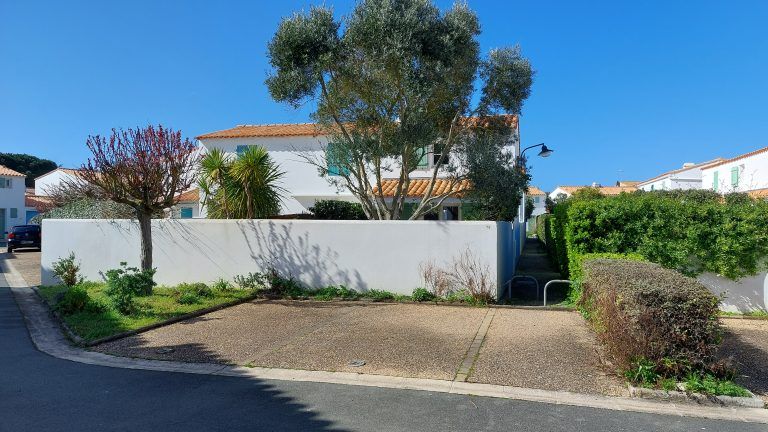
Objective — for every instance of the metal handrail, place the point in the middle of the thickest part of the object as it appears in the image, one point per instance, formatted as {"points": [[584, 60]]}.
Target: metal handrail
{"points": [[523, 277], [546, 285]]}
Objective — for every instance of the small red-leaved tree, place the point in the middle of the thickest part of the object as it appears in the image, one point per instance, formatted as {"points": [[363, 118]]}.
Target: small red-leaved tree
{"points": [[144, 169]]}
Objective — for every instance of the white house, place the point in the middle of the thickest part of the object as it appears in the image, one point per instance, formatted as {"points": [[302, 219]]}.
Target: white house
{"points": [[289, 145], [567, 191], [687, 177], [12, 209], [48, 182], [743, 173], [539, 200]]}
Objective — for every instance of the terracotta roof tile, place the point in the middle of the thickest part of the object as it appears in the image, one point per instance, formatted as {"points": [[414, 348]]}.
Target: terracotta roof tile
{"points": [[418, 186], [758, 193], [605, 190], [38, 202], [733, 159], [192, 195], [533, 190], [4, 170], [313, 129]]}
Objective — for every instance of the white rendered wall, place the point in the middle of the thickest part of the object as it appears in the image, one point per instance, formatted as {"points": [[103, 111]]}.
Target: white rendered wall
{"points": [[12, 198], [746, 295], [753, 174], [362, 255]]}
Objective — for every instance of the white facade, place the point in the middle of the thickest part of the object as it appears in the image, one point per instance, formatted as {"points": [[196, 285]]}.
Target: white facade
{"points": [[363, 255], [48, 182], [302, 180], [687, 177], [743, 173], [12, 208]]}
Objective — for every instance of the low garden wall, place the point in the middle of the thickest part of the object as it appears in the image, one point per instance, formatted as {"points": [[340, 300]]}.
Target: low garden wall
{"points": [[362, 255]]}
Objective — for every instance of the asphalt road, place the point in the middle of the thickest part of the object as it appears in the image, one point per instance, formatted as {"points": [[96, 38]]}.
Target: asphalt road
{"points": [[42, 393]]}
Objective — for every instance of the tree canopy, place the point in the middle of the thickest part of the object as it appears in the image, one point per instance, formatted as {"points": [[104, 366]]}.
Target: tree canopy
{"points": [[31, 166], [394, 87]]}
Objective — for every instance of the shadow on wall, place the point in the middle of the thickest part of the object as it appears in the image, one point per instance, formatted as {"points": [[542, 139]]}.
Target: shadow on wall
{"points": [[746, 295], [276, 247]]}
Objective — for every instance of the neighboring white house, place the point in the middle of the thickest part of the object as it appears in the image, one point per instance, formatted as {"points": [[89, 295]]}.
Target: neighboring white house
{"points": [[687, 177], [539, 200], [188, 205], [48, 182], [567, 191], [744, 173], [289, 145], [12, 209]]}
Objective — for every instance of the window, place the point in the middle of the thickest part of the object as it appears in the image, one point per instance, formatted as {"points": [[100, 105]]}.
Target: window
{"points": [[424, 159], [735, 177], [715, 179], [436, 159], [450, 213], [186, 212], [333, 159], [14, 213], [241, 149], [5, 183], [537, 199]]}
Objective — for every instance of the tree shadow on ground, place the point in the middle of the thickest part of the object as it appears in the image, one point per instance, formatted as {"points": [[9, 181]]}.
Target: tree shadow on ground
{"points": [[268, 408]]}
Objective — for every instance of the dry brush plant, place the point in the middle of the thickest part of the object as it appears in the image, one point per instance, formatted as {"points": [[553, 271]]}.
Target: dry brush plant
{"points": [[465, 273]]}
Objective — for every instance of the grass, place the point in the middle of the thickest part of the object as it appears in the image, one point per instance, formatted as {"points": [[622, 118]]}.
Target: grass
{"points": [[162, 305], [751, 314]]}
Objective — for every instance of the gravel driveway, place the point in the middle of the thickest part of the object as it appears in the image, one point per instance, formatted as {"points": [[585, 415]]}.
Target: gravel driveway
{"points": [[532, 348], [26, 262], [746, 342]]}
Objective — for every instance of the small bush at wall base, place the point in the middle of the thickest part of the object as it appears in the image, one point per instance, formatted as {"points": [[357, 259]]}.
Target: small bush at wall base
{"points": [[67, 270], [125, 283], [222, 285], [641, 310], [422, 295]]}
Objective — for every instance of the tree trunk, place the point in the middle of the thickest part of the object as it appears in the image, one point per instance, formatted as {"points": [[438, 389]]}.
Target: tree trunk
{"points": [[145, 226], [249, 204]]}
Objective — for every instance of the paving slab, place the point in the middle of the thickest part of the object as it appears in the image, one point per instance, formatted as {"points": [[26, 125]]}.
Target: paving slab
{"points": [[746, 344], [551, 350]]}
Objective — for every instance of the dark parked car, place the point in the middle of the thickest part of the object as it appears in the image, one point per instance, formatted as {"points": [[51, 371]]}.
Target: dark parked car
{"points": [[24, 236]]}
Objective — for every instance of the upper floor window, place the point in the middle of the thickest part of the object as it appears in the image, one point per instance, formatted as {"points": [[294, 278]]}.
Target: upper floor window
{"points": [[5, 183], [334, 160], [241, 149], [735, 177], [715, 180]]}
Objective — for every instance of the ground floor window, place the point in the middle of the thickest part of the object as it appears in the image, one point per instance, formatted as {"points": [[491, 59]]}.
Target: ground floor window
{"points": [[186, 212]]}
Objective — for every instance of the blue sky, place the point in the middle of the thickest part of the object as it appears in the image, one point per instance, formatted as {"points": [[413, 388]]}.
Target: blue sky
{"points": [[623, 89]]}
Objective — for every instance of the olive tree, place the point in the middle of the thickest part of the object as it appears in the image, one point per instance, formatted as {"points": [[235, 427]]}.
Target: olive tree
{"points": [[393, 83]]}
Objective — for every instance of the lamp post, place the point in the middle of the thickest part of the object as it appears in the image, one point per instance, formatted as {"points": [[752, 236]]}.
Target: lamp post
{"points": [[544, 152]]}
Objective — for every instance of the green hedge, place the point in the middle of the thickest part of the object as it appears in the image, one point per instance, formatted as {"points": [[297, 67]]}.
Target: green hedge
{"points": [[690, 231], [338, 210], [644, 312]]}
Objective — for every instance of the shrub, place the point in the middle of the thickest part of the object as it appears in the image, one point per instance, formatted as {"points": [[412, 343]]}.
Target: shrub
{"points": [[252, 281], [331, 292], [466, 273], [338, 210], [67, 270], [643, 311], [422, 295], [379, 295], [125, 283], [75, 299], [682, 230], [222, 285], [188, 297], [198, 288]]}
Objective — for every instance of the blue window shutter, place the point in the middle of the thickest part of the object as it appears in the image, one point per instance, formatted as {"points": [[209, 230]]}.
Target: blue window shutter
{"points": [[186, 213], [14, 213], [241, 149], [715, 179], [424, 159], [735, 176], [333, 161]]}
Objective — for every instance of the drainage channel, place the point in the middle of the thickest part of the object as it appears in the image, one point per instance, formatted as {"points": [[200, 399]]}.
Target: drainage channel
{"points": [[474, 349]]}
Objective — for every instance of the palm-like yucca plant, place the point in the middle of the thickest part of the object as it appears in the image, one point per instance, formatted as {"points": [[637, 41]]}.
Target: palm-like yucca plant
{"points": [[242, 187]]}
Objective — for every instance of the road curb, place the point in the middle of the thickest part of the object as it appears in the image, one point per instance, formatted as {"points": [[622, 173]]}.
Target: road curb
{"points": [[48, 338]]}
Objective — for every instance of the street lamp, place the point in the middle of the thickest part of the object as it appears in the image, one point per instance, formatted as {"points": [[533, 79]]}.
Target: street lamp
{"points": [[544, 152]]}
